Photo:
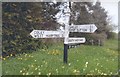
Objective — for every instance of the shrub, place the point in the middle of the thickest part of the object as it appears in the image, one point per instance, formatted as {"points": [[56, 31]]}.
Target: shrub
{"points": [[111, 35], [96, 39]]}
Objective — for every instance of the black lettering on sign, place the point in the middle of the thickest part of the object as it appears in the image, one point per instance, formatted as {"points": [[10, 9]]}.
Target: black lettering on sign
{"points": [[70, 40], [38, 34], [53, 35], [74, 40], [73, 28], [79, 40], [81, 30]]}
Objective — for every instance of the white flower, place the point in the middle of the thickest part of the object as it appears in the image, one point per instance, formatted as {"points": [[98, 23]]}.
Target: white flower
{"points": [[36, 68], [85, 65], [49, 74], [105, 74], [86, 62], [23, 73], [95, 68], [74, 71], [41, 65], [84, 69], [39, 73], [63, 66], [27, 73], [56, 69], [98, 64], [69, 64], [20, 71]]}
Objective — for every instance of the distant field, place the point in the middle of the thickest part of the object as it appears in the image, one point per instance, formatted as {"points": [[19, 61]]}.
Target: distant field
{"points": [[83, 60]]}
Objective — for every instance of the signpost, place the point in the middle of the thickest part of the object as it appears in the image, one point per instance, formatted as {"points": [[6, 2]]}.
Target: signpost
{"points": [[76, 40], [46, 34], [86, 28]]}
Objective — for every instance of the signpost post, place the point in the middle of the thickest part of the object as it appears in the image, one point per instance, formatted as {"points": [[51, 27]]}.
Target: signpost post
{"points": [[66, 43], [66, 33]]}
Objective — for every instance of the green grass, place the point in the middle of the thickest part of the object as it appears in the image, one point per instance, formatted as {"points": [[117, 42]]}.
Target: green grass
{"points": [[85, 59]]}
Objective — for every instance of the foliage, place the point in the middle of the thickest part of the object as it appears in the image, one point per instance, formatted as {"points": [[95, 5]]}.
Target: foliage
{"points": [[96, 39], [83, 60], [87, 13], [19, 19], [111, 35]]}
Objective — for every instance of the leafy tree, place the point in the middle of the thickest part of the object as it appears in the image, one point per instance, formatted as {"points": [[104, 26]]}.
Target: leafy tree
{"points": [[100, 18], [87, 13], [19, 19]]}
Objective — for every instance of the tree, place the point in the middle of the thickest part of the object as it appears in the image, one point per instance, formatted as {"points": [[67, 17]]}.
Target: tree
{"points": [[100, 18], [87, 13], [19, 19]]}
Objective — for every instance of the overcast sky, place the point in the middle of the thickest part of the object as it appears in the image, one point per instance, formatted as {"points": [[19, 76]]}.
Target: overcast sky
{"points": [[112, 8]]}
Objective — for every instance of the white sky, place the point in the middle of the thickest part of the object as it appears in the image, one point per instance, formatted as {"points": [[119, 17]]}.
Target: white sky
{"points": [[112, 8]]}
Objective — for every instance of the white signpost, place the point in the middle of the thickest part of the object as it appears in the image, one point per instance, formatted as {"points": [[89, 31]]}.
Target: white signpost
{"points": [[87, 28], [46, 34], [76, 40]]}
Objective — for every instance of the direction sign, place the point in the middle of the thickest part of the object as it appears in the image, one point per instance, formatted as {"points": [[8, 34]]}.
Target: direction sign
{"points": [[88, 28], [46, 34], [76, 40]]}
